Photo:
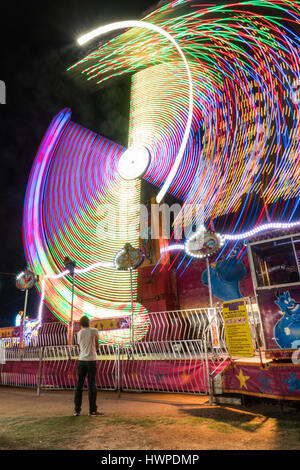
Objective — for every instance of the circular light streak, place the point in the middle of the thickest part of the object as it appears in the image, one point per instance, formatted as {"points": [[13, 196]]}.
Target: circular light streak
{"points": [[77, 205], [242, 156], [140, 319], [242, 146], [152, 27]]}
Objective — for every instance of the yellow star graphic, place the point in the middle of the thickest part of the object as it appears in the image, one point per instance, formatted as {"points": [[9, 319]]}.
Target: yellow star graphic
{"points": [[242, 378], [185, 378]]}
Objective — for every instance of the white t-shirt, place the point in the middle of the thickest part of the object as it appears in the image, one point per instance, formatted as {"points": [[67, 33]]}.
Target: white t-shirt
{"points": [[86, 339], [2, 354]]}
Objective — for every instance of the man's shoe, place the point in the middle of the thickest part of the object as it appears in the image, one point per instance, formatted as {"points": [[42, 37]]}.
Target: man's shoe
{"points": [[96, 413], [76, 413]]}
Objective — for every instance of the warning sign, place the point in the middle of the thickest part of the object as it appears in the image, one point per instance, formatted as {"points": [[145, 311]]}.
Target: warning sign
{"points": [[237, 329]]}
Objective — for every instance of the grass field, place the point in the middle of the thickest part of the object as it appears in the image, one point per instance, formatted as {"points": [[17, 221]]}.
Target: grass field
{"points": [[142, 422]]}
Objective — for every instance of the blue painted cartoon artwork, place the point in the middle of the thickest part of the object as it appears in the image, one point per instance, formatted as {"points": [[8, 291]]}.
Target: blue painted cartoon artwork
{"points": [[287, 329], [225, 277]]}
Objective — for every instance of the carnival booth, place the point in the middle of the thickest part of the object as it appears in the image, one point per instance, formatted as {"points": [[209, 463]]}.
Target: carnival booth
{"points": [[274, 266]]}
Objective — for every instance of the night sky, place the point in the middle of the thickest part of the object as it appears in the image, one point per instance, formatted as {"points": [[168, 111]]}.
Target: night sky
{"points": [[38, 43]]}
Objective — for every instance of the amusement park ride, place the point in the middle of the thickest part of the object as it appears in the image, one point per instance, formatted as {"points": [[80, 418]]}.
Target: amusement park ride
{"points": [[214, 123]]}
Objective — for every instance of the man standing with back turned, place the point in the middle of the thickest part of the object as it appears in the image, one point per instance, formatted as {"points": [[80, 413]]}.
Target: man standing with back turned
{"points": [[87, 339]]}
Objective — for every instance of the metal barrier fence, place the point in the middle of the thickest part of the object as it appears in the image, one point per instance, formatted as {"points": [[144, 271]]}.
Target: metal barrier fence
{"points": [[170, 326], [182, 353], [163, 326]]}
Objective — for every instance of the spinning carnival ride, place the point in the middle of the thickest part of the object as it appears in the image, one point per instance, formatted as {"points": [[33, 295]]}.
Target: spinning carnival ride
{"points": [[214, 120]]}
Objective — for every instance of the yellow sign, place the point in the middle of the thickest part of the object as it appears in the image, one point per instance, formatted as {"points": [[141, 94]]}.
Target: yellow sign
{"points": [[10, 332], [111, 323], [237, 329]]}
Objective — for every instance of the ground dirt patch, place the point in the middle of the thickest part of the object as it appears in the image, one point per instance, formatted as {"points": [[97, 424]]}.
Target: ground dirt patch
{"points": [[143, 421]]}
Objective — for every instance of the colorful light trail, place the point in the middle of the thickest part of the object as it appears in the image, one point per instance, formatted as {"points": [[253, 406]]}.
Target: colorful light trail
{"points": [[243, 149], [152, 27], [239, 163], [73, 189]]}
